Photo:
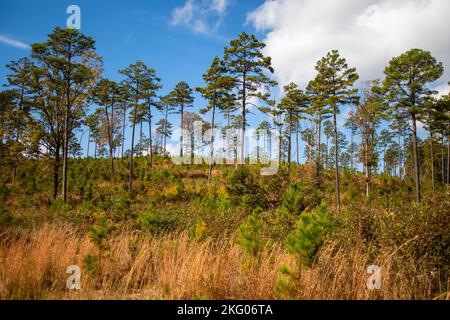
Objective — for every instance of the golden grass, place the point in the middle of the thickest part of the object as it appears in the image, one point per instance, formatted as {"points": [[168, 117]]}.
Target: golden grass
{"points": [[140, 266]]}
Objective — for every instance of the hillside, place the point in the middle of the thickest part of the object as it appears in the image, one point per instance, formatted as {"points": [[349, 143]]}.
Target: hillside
{"points": [[242, 236]]}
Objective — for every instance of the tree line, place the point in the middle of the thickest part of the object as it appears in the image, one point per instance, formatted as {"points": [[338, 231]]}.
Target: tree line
{"points": [[49, 93]]}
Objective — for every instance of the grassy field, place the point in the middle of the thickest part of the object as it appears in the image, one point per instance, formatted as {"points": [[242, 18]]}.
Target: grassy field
{"points": [[242, 236]]}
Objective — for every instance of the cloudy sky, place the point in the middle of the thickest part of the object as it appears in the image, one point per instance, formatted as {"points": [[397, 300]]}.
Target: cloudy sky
{"points": [[368, 33], [180, 38]]}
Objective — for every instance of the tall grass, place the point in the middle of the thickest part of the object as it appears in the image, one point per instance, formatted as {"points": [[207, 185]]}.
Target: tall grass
{"points": [[138, 265]]}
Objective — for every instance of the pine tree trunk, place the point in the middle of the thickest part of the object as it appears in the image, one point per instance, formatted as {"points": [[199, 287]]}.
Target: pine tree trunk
{"points": [[442, 160], [165, 131], [150, 150], [289, 144], [336, 159], [130, 182], [88, 144], [297, 143], [244, 105], [270, 145], [351, 153], [56, 172], [211, 155], [95, 141], [123, 130], [319, 129], [399, 156], [367, 167], [432, 161], [65, 152], [448, 160], [181, 127], [257, 147], [416, 159], [141, 137], [368, 170], [110, 142], [279, 145], [66, 132]]}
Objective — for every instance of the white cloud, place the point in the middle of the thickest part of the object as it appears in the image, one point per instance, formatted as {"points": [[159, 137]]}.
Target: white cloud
{"points": [[14, 43], [368, 33], [201, 16], [219, 5], [442, 90]]}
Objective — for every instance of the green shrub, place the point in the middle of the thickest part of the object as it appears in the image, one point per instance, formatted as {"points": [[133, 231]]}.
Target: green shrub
{"points": [[308, 236], [243, 189], [60, 207], [156, 223], [122, 204], [249, 234], [86, 207], [100, 232], [89, 263], [299, 197], [198, 231], [5, 217]]}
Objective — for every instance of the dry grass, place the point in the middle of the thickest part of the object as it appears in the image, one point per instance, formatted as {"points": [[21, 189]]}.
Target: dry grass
{"points": [[139, 266], [135, 266]]}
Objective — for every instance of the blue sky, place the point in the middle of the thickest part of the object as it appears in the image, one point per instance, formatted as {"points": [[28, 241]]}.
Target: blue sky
{"points": [[125, 31], [180, 38]]}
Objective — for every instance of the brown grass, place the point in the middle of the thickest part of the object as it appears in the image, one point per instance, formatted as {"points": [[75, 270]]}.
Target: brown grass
{"points": [[140, 266]]}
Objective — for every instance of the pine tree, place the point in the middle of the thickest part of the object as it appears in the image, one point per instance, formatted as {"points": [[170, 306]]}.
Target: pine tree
{"points": [[333, 87], [216, 91], [293, 105], [69, 61], [267, 143], [407, 77], [166, 109], [384, 140], [399, 126], [275, 112], [318, 111], [246, 64], [151, 86], [351, 125], [328, 132], [140, 84], [181, 97], [435, 116], [106, 93], [367, 117], [164, 128]]}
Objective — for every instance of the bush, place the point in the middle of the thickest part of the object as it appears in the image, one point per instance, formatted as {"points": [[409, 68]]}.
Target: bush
{"points": [[156, 223], [249, 234], [198, 231], [299, 197], [243, 189], [308, 236], [100, 232], [175, 192], [122, 205], [5, 217], [60, 207]]}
